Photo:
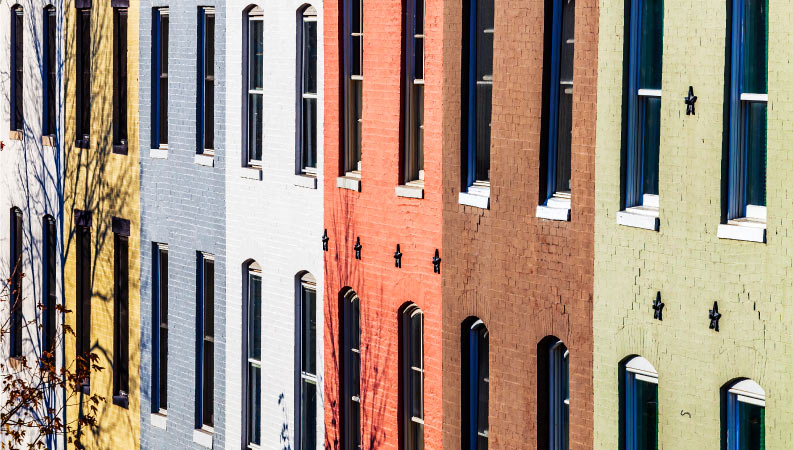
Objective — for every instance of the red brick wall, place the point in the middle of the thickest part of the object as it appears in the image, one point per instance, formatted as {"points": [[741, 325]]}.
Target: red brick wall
{"points": [[382, 220], [525, 277]]}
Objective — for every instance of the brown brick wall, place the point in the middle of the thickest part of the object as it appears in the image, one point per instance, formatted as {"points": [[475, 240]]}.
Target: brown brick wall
{"points": [[526, 278]]}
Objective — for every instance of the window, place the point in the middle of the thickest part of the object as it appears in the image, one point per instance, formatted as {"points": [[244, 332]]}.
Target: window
{"points": [[559, 118], [17, 68], [351, 371], [205, 417], [255, 82], [50, 253], [412, 365], [555, 388], [645, 47], [159, 382], [748, 100], [352, 46], [475, 385], [159, 85], [640, 406], [206, 80], [83, 81], [121, 312], [477, 93], [83, 288], [413, 98], [307, 115], [254, 356], [50, 70], [17, 274], [307, 387], [120, 80], [745, 416]]}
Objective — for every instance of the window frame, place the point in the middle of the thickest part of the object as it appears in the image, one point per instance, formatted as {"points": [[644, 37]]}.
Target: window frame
{"points": [[414, 32], [50, 288], [637, 369], [350, 388], [83, 289], [120, 80], [83, 58], [17, 70], [206, 58], [50, 71], [305, 284], [746, 392], [205, 379], [159, 377], [558, 394], [16, 277], [121, 312], [412, 426], [159, 100], [254, 14], [252, 327], [307, 14], [474, 359], [352, 90]]}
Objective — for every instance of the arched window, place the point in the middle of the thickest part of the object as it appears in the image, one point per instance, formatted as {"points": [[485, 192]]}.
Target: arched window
{"points": [[475, 384], [17, 271], [253, 342], [307, 89], [307, 360], [553, 394], [412, 373], [745, 416], [17, 68], [253, 26], [351, 370], [640, 407]]}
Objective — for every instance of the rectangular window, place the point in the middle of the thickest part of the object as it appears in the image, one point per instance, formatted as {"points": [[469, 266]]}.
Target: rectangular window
{"points": [[206, 336], [254, 357], [351, 372], [255, 82], [83, 79], [50, 286], [478, 94], [413, 378], [17, 274], [559, 125], [644, 104], [353, 86], [159, 83], [206, 81], [120, 80], [50, 71], [475, 386], [413, 98], [159, 385], [17, 68], [121, 312], [307, 116], [748, 100], [83, 272], [308, 363]]}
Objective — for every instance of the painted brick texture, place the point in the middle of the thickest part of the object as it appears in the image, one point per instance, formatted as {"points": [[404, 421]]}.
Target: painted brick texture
{"points": [[273, 221], [526, 278], [183, 206], [685, 260], [382, 220], [107, 185]]}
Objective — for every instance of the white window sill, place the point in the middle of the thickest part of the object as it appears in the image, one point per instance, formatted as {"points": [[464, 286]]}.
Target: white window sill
{"points": [[639, 217], [48, 141], [203, 159], [203, 437], [159, 420], [478, 195], [556, 208], [251, 173], [410, 190], [158, 153], [349, 182], [742, 230], [306, 181]]}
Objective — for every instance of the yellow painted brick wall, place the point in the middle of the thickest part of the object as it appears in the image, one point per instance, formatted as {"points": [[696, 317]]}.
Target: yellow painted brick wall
{"points": [[685, 260], [106, 184]]}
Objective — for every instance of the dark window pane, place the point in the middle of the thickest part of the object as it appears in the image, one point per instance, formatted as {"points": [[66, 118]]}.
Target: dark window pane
{"points": [[483, 114], [647, 415], [255, 126], [208, 393], [650, 110], [357, 108], [418, 59], [756, 153], [51, 71], [652, 35], [308, 424], [567, 41], [255, 317], [755, 47], [309, 360], [309, 132], [51, 293], [751, 424], [310, 56], [209, 298], [357, 55], [209, 81], [83, 82], [209, 114], [357, 18], [419, 9], [209, 42], [254, 407], [121, 316], [83, 272], [163, 100], [257, 54], [17, 273], [564, 139], [355, 426], [119, 76], [484, 390], [17, 67]]}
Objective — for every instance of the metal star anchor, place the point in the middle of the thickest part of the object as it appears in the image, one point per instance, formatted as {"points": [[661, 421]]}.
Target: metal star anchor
{"points": [[690, 100], [398, 258], [714, 316], [658, 307], [357, 248]]}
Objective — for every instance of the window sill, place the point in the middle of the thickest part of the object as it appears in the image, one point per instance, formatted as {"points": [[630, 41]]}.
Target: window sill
{"points": [[203, 437], [556, 208], [15, 135], [305, 181], [121, 400], [251, 173], [351, 183], [159, 420], [48, 141], [120, 149], [158, 153], [83, 143], [743, 230], [410, 190], [477, 196], [203, 159], [639, 217]]}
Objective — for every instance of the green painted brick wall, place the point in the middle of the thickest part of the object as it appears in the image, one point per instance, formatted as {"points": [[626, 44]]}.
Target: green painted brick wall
{"points": [[685, 260]]}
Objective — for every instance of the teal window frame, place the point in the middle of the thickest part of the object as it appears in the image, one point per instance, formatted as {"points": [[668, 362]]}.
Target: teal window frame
{"points": [[745, 416], [640, 391]]}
